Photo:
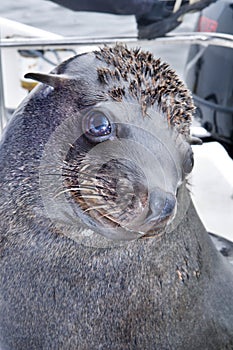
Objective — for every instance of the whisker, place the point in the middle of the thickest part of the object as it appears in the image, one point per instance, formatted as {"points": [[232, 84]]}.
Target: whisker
{"points": [[95, 208], [84, 176], [73, 189], [110, 219], [84, 187], [57, 174], [81, 174], [81, 177], [79, 156], [91, 196], [81, 171], [111, 213], [66, 190]]}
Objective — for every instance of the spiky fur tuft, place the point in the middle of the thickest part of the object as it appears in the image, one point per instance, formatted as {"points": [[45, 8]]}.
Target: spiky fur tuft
{"points": [[151, 82]]}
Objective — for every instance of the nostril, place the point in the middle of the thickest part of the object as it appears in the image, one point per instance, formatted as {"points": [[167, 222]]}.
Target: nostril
{"points": [[169, 206], [161, 205]]}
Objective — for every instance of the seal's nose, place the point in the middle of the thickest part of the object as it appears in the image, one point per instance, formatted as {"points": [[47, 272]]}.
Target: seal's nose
{"points": [[161, 205], [161, 210]]}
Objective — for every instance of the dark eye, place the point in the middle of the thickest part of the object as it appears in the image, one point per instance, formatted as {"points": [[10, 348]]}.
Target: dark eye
{"points": [[97, 126], [188, 162]]}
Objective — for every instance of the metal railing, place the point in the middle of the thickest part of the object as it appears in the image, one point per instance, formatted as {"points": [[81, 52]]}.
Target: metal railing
{"points": [[206, 39]]}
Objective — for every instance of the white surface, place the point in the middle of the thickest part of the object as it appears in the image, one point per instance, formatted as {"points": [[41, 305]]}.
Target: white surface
{"points": [[12, 63], [212, 188]]}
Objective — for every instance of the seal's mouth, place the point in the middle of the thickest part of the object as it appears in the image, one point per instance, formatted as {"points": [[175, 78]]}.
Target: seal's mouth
{"points": [[111, 194], [115, 194]]}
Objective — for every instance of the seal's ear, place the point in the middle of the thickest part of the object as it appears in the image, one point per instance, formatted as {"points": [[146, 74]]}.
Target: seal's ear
{"points": [[192, 140], [53, 80]]}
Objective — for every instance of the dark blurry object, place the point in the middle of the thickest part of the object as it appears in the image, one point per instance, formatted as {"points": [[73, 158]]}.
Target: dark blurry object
{"points": [[120, 7], [209, 75], [166, 16], [154, 18]]}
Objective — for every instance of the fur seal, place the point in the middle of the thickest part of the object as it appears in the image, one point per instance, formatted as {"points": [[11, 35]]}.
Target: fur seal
{"points": [[101, 247]]}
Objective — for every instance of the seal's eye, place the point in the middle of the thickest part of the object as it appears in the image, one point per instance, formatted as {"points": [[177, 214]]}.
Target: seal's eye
{"points": [[96, 126], [188, 163]]}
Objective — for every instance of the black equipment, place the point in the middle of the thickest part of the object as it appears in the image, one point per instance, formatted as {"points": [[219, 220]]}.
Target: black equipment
{"points": [[209, 75]]}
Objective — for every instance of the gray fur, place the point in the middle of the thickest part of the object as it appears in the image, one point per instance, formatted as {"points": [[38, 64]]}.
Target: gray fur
{"points": [[168, 292]]}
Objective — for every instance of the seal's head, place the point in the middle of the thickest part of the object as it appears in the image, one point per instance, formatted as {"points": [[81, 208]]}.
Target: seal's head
{"points": [[124, 153]]}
